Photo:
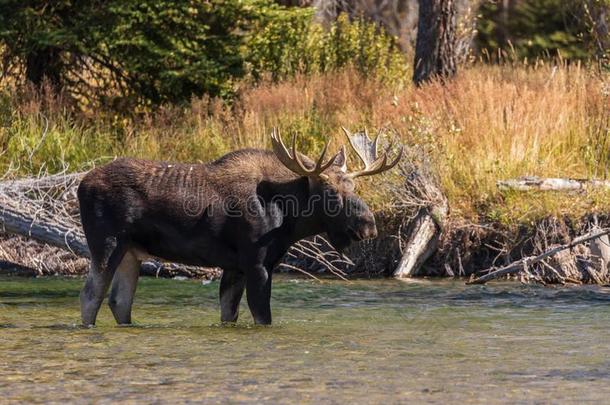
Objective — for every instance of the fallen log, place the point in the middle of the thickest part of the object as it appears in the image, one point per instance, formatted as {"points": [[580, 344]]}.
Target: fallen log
{"points": [[44, 209], [424, 230], [14, 220], [528, 183], [524, 263]]}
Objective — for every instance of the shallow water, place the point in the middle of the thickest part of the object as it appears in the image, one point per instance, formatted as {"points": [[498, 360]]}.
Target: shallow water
{"points": [[363, 341]]}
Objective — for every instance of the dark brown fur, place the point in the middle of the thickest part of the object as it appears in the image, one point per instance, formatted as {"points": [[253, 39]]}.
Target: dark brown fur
{"points": [[241, 213]]}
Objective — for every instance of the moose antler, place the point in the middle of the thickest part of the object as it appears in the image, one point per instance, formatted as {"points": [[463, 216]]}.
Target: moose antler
{"points": [[367, 152], [293, 161]]}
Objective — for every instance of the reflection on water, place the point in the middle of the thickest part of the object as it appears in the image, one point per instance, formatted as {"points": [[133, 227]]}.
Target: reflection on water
{"points": [[364, 341]]}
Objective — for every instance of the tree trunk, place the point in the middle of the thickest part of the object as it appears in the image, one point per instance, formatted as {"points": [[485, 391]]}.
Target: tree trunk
{"points": [[436, 39], [425, 229], [423, 236]]}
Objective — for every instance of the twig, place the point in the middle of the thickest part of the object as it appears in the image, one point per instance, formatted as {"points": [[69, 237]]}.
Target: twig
{"points": [[291, 267], [560, 278], [519, 265]]}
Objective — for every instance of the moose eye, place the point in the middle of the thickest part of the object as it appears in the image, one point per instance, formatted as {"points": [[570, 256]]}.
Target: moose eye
{"points": [[349, 184]]}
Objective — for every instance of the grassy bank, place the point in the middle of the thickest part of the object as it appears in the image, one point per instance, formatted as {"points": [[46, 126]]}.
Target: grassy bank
{"points": [[491, 123]]}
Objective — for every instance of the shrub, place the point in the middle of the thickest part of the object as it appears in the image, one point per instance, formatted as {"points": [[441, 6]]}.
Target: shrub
{"points": [[133, 54], [290, 42]]}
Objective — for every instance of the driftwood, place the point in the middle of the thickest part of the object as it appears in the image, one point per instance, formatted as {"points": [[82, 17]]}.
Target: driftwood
{"points": [[44, 209], [525, 263], [551, 184], [600, 252], [24, 256], [316, 255], [15, 221], [425, 228]]}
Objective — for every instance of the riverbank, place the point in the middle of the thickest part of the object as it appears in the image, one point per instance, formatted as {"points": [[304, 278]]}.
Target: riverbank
{"points": [[464, 252], [491, 123]]}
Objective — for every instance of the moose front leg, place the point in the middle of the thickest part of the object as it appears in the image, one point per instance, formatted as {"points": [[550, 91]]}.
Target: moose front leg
{"points": [[258, 292], [232, 284]]}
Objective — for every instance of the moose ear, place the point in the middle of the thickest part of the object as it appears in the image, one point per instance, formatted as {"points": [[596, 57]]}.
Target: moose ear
{"points": [[341, 160]]}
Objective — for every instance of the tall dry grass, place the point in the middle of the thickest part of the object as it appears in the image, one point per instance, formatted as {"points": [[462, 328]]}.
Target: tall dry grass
{"points": [[490, 123]]}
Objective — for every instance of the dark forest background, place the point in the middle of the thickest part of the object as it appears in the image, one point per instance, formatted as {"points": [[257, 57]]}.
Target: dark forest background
{"points": [[128, 54]]}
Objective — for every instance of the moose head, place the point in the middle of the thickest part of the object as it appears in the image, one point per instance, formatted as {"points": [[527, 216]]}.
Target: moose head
{"points": [[339, 211]]}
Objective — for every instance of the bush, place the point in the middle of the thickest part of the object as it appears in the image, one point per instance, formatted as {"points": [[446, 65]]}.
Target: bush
{"points": [[133, 54], [290, 42], [127, 53]]}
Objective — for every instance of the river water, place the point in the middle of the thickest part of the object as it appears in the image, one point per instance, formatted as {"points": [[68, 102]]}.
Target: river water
{"points": [[369, 341]]}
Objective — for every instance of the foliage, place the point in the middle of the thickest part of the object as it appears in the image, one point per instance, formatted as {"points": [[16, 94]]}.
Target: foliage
{"points": [[133, 52], [537, 28], [138, 53], [290, 42], [172, 50]]}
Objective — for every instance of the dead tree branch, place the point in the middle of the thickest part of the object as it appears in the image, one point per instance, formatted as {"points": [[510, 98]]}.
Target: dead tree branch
{"points": [[525, 263], [422, 196], [551, 184]]}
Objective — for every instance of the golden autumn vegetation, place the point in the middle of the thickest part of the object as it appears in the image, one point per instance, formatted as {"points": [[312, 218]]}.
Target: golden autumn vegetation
{"points": [[490, 123]]}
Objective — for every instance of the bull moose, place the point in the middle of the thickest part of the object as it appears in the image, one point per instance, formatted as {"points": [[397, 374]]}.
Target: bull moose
{"points": [[241, 213]]}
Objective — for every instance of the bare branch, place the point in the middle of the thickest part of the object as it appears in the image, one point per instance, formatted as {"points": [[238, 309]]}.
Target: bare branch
{"points": [[524, 263]]}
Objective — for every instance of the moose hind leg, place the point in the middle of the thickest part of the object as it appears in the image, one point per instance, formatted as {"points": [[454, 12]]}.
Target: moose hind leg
{"points": [[123, 288], [97, 283], [232, 284], [258, 292]]}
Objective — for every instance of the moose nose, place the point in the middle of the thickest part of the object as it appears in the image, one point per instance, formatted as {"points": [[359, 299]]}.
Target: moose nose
{"points": [[370, 231]]}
